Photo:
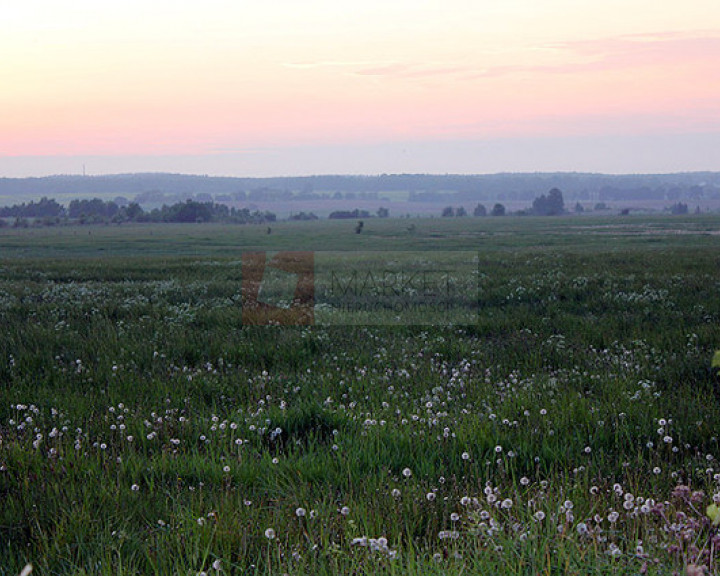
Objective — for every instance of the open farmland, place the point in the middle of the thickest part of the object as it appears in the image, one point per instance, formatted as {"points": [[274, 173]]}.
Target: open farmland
{"points": [[571, 428]]}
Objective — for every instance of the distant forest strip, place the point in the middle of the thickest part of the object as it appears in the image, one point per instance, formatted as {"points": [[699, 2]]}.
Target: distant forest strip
{"points": [[156, 189], [48, 211]]}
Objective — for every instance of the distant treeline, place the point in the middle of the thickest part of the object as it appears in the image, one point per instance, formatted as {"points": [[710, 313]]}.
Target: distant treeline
{"points": [[157, 189], [48, 211]]}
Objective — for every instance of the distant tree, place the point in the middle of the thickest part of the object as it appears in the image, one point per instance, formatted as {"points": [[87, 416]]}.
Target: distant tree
{"points": [[190, 211], [359, 227], [600, 206], [448, 212], [498, 210], [579, 208], [133, 211], [550, 205], [679, 208], [460, 212], [383, 212], [303, 216], [95, 210], [480, 211], [348, 214]]}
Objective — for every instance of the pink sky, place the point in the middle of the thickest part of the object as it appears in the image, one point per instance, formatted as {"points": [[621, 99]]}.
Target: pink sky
{"points": [[324, 86]]}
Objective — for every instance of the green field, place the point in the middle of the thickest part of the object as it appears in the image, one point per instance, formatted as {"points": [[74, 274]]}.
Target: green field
{"points": [[572, 428]]}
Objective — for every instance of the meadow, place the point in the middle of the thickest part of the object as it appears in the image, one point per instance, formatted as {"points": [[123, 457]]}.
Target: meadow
{"points": [[572, 428]]}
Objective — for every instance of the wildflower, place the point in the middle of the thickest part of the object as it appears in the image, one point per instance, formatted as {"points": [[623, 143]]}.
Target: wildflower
{"points": [[716, 361], [344, 510], [507, 503], [454, 517], [430, 496], [217, 565], [407, 472], [539, 515], [134, 487], [465, 456], [270, 534], [713, 512], [300, 512]]}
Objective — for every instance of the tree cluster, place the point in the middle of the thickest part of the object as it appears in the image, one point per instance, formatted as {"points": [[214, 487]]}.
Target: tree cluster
{"points": [[349, 214], [44, 208], [48, 212], [679, 208], [550, 205]]}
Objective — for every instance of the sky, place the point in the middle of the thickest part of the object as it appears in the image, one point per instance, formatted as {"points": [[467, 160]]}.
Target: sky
{"points": [[284, 87]]}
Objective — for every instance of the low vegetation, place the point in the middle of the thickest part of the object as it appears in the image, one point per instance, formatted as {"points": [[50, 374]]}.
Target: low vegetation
{"points": [[571, 429]]}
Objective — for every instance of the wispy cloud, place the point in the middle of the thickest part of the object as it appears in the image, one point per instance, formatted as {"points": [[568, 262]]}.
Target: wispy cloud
{"points": [[572, 57], [336, 64], [414, 70]]}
